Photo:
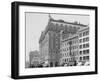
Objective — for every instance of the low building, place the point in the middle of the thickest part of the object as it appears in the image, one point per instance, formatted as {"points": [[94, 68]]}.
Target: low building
{"points": [[34, 58]]}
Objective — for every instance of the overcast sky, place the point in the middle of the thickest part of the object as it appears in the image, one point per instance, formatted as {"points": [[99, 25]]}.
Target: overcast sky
{"points": [[36, 22]]}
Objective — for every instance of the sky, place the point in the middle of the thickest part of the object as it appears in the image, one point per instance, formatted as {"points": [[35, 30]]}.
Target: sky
{"points": [[36, 23]]}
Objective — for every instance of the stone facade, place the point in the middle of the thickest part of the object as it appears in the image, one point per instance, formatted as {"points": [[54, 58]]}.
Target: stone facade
{"points": [[84, 44], [59, 43], [69, 49]]}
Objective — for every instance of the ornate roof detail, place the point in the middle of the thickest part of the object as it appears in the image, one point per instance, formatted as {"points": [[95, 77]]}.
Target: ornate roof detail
{"points": [[52, 27]]}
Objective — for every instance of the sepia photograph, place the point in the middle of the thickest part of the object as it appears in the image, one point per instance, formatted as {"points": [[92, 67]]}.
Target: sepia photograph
{"points": [[56, 40]]}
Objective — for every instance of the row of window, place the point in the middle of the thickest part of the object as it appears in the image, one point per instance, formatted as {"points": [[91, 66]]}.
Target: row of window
{"points": [[84, 46], [84, 52], [74, 53], [68, 59], [73, 59], [84, 58], [84, 40], [75, 47], [76, 41], [66, 26], [69, 48], [72, 42], [84, 33]]}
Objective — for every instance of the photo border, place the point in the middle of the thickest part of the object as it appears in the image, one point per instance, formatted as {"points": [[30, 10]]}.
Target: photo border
{"points": [[15, 39]]}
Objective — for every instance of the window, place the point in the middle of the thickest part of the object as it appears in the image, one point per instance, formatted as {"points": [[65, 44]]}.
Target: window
{"points": [[83, 33], [87, 32], [87, 45], [80, 58], [84, 45], [80, 52], [87, 57], [80, 40], [78, 27], [87, 39], [84, 51], [80, 35], [80, 46], [84, 39], [84, 58], [87, 51]]}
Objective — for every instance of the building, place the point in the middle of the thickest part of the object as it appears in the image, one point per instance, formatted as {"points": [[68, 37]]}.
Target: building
{"points": [[74, 48], [44, 48], [69, 48], [34, 58], [50, 39], [49, 46], [84, 45]]}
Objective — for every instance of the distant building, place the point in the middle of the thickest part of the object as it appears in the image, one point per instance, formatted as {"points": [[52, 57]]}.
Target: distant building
{"points": [[27, 64], [34, 58]]}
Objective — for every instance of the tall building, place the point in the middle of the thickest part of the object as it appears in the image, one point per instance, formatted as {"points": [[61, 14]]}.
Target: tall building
{"points": [[84, 44], [50, 40], [49, 44], [44, 48]]}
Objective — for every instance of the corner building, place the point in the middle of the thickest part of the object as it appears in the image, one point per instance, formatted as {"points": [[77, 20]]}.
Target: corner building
{"points": [[50, 42], [84, 45]]}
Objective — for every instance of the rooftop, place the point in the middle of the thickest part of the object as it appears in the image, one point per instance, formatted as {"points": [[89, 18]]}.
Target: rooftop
{"points": [[60, 21]]}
